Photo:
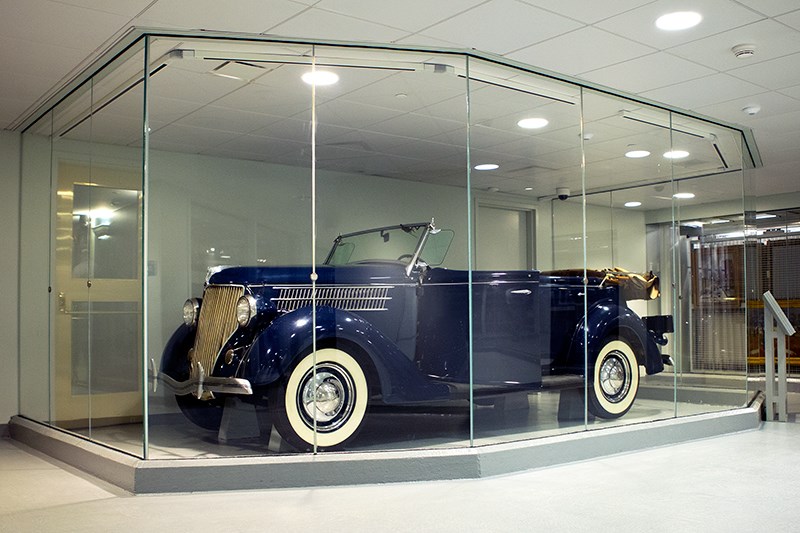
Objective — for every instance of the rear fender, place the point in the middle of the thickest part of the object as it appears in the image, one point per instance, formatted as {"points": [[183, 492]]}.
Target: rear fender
{"points": [[288, 337], [606, 318]]}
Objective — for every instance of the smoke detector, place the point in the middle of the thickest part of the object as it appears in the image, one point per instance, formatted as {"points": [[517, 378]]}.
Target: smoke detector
{"points": [[743, 51]]}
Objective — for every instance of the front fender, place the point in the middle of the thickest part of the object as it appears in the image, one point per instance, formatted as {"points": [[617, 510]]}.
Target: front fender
{"points": [[174, 360], [604, 319], [288, 337]]}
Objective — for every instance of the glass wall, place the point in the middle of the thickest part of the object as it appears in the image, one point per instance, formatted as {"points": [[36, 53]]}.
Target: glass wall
{"points": [[284, 247], [85, 367]]}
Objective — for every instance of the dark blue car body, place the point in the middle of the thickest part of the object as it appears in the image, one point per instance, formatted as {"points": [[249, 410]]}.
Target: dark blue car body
{"points": [[409, 327]]}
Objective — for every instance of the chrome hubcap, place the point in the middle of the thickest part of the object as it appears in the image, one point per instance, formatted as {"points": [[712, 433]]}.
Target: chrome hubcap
{"points": [[327, 398], [614, 381]]}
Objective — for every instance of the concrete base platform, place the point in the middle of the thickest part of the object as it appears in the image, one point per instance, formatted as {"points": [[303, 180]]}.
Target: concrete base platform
{"points": [[349, 468]]}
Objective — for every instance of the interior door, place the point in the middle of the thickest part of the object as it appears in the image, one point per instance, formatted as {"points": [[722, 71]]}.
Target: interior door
{"points": [[503, 238], [97, 331]]}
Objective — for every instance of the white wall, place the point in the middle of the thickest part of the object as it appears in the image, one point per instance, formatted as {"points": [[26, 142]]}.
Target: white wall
{"points": [[9, 266]]}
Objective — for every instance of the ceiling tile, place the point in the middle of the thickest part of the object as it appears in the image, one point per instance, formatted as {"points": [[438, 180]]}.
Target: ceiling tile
{"points": [[793, 91], [22, 87], [249, 15], [410, 15], [791, 19], [567, 54], [648, 72], [770, 8], [771, 39], [771, 103], [774, 74], [418, 39], [129, 8], [500, 26], [34, 57], [44, 21], [780, 123], [588, 12], [639, 24], [325, 25], [703, 91]]}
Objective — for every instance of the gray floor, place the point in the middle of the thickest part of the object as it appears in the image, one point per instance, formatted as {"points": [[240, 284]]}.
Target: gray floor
{"points": [[747, 481]]}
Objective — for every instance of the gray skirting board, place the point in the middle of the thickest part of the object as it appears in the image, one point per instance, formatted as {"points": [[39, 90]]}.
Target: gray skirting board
{"points": [[349, 468]]}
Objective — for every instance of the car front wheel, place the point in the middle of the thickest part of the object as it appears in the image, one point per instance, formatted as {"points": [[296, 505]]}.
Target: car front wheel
{"points": [[329, 399], [615, 380]]}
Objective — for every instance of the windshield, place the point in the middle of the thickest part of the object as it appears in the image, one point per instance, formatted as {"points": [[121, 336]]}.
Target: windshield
{"points": [[395, 243]]}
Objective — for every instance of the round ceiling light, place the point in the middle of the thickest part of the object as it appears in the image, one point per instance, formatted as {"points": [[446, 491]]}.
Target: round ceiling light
{"points": [[320, 77], [683, 195], [637, 154], [533, 123], [676, 154], [633, 204], [679, 20], [486, 166]]}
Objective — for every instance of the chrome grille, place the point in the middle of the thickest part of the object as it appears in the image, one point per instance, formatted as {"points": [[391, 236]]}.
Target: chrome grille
{"points": [[367, 298], [216, 324]]}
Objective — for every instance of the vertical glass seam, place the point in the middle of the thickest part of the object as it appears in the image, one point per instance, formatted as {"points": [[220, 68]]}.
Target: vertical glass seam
{"points": [[145, 245], [314, 231], [470, 265], [585, 273]]}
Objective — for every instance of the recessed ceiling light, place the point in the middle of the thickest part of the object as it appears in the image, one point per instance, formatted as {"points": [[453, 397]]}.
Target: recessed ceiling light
{"points": [[637, 154], [486, 166], [683, 195], [320, 77], [533, 123], [676, 154], [531, 188], [633, 204], [680, 20]]}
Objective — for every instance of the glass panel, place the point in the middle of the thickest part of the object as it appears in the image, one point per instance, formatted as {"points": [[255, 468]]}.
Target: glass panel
{"points": [[229, 175], [97, 343], [711, 261], [35, 309], [72, 167], [527, 297], [392, 365], [627, 178]]}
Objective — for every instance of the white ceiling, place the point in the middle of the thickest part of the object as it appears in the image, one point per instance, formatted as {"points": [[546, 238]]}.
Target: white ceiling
{"points": [[45, 43]]}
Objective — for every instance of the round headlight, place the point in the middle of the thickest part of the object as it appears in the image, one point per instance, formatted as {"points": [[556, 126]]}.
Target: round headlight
{"points": [[191, 311], [245, 310]]}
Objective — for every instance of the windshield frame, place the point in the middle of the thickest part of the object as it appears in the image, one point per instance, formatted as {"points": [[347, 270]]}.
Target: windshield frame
{"points": [[428, 227]]}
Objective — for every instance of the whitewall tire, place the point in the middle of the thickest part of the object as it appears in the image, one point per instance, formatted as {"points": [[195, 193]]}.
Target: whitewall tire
{"points": [[333, 399], [615, 380]]}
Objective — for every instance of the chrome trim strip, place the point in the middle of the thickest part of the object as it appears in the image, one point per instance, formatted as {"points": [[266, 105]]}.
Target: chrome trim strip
{"points": [[348, 298]]}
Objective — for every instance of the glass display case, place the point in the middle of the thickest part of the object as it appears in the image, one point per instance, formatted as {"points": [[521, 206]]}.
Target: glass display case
{"points": [[259, 246]]}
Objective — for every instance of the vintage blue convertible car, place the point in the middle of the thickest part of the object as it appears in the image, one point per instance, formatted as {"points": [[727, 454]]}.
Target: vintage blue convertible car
{"points": [[392, 327]]}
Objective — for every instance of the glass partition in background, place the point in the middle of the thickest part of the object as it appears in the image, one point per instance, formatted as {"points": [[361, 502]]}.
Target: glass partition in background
{"points": [[392, 359], [525, 148], [230, 184], [627, 176], [97, 278], [35, 309], [710, 264]]}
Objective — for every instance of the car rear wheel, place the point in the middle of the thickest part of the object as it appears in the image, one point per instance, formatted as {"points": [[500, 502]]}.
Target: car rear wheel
{"points": [[331, 401], [615, 380], [204, 413]]}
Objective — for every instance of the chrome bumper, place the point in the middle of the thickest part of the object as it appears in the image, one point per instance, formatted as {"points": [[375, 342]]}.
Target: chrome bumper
{"points": [[202, 384]]}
